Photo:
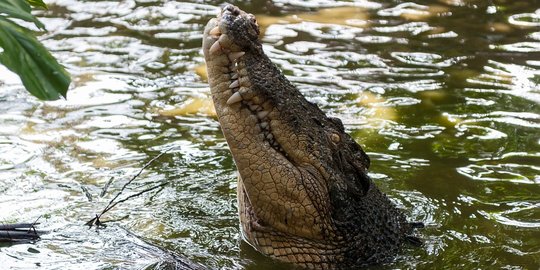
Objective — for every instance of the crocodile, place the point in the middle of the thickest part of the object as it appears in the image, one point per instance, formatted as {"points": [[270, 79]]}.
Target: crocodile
{"points": [[304, 194]]}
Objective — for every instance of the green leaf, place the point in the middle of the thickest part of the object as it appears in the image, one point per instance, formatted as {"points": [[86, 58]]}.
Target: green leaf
{"points": [[23, 54], [19, 9], [37, 3]]}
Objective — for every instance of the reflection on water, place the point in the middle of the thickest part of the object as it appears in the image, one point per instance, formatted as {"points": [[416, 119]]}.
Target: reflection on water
{"points": [[444, 96]]}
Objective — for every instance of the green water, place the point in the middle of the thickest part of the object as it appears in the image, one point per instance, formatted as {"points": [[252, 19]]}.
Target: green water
{"points": [[443, 95]]}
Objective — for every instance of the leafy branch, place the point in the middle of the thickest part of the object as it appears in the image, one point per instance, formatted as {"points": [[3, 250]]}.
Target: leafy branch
{"points": [[22, 53]]}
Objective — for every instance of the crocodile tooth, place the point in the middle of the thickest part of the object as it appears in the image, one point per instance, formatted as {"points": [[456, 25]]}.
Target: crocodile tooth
{"points": [[225, 41], [216, 32], [234, 84], [235, 55], [215, 47], [236, 97], [262, 114], [244, 91], [234, 76], [254, 107]]}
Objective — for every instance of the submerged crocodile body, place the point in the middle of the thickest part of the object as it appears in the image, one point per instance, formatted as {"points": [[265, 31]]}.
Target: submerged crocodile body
{"points": [[304, 194]]}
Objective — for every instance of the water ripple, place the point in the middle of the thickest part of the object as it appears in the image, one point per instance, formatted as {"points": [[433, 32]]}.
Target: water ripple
{"points": [[404, 8], [405, 132], [515, 173], [444, 96], [525, 19], [520, 214], [425, 59], [415, 28], [507, 78], [16, 152]]}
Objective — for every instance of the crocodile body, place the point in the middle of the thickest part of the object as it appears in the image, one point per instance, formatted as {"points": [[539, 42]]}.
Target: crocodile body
{"points": [[303, 190]]}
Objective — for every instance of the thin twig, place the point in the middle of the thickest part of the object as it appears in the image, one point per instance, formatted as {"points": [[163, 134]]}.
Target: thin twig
{"points": [[106, 187], [137, 194], [96, 220], [112, 203], [33, 228], [131, 180]]}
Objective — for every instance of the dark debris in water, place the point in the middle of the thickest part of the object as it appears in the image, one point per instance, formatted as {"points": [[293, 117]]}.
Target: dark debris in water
{"points": [[19, 232]]}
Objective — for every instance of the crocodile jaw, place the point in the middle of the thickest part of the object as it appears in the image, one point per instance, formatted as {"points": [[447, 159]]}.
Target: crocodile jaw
{"points": [[250, 122]]}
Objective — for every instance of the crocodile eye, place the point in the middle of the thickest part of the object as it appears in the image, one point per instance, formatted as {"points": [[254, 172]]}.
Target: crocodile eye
{"points": [[254, 29], [335, 138]]}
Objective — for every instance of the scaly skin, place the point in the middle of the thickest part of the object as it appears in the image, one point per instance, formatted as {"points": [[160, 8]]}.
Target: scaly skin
{"points": [[303, 192]]}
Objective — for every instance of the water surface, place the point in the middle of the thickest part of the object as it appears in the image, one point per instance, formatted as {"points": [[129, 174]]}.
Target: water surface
{"points": [[443, 95]]}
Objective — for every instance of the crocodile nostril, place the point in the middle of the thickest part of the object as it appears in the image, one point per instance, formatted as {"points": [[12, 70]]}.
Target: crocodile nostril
{"points": [[232, 9]]}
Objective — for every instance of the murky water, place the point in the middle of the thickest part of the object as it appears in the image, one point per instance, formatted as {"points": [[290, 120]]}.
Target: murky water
{"points": [[443, 95]]}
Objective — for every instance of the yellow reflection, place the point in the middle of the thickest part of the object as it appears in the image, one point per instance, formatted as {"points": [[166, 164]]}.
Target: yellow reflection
{"points": [[101, 162], [432, 97], [499, 27], [194, 105], [353, 16], [201, 71], [377, 110]]}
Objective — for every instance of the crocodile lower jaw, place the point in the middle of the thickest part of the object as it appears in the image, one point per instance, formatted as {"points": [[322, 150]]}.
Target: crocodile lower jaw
{"points": [[228, 59]]}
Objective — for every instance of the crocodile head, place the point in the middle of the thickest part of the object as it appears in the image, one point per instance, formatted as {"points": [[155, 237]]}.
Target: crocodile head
{"points": [[304, 193]]}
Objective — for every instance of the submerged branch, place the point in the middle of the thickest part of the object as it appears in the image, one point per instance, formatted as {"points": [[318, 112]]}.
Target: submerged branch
{"points": [[19, 232]]}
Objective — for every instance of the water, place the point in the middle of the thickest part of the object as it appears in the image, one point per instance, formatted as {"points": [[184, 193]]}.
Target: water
{"points": [[443, 95]]}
